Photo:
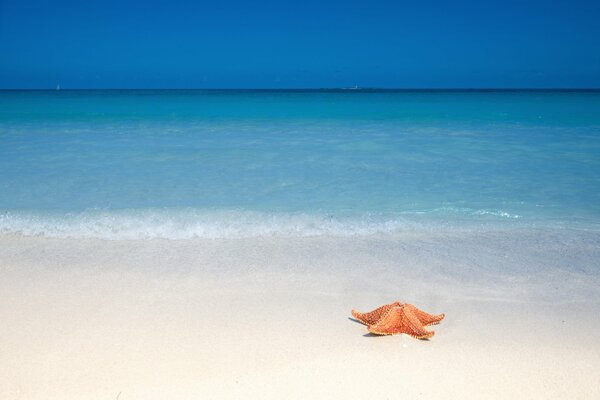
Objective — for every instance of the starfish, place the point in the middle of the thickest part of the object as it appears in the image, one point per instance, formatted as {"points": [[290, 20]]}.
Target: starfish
{"points": [[370, 318], [396, 318]]}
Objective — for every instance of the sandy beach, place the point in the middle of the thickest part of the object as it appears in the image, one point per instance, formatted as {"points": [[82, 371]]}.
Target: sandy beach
{"points": [[269, 317]]}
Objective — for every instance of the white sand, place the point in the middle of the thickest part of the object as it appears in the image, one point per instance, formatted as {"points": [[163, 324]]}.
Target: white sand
{"points": [[269, 318]]}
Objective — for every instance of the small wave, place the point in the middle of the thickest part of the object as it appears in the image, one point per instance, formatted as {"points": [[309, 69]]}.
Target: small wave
{"points": [[496, 213], [214, 224], [466, 212], [187, 224]]}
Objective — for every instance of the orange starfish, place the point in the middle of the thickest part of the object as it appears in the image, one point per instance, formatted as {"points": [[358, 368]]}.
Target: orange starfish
{"points": [[396, 318], [370, 318]]}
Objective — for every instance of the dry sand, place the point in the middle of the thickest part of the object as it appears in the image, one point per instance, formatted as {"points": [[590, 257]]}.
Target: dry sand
{"points": [[269, 318]]}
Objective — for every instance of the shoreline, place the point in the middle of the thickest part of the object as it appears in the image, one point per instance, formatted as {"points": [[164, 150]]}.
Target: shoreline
{"points": [[269, 317]]}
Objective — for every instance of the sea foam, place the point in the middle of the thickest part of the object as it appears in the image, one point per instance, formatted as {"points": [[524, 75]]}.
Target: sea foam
{"points": [[215, 224]]}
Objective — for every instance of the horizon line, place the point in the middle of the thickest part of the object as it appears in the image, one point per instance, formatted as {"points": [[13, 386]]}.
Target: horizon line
{"points": [[345, 89]]}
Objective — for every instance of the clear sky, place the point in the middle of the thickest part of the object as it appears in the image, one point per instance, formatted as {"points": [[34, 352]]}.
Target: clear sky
{"points": [[300, 44]]}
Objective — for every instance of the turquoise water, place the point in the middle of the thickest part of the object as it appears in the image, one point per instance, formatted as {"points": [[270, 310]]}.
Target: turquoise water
{"points": [[177, 164]]}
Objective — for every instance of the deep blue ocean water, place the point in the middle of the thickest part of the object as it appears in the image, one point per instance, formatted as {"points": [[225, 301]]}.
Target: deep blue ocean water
{"points": [[178, 164]]}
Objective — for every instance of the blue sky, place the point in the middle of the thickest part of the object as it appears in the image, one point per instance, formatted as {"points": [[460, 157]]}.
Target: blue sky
{"points": [[303, 44]]}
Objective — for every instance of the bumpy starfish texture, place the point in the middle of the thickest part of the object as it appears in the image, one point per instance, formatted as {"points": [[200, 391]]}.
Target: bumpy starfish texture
{"points": [[401, 320], [426, 319], [372, 317], [396, 318]]}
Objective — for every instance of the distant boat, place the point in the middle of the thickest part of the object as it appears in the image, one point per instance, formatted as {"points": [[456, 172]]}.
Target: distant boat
{"points": [[57, 87]]}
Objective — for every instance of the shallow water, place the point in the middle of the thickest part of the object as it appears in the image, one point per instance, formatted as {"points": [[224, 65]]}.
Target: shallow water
{"points": [[180, 164]]}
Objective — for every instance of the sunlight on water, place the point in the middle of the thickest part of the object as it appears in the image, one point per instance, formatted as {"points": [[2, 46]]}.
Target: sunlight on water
{"points": [[250, 163]]}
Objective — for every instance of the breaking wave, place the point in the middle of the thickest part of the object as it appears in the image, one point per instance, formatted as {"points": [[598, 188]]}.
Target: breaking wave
{"points": [[215, 224]]}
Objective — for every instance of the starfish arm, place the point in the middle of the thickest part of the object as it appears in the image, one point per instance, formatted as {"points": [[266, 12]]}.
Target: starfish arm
{"points": [[400, 320], [372, 317], [426, 319]]}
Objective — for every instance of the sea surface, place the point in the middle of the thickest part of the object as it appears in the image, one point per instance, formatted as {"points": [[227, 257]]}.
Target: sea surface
{"points": [[231, 164]]}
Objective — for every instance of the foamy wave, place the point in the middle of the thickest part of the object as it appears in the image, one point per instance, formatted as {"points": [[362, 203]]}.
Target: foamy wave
{"points": [[193, 223], [497, 213], [187, 224]]}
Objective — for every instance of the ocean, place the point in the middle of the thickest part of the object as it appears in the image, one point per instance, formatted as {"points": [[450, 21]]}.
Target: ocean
{"points": [[178, 164]]}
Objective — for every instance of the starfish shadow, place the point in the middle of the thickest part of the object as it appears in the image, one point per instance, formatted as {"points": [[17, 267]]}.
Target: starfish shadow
{"points": [[374, 335], [355, 320], [379, 336]]}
